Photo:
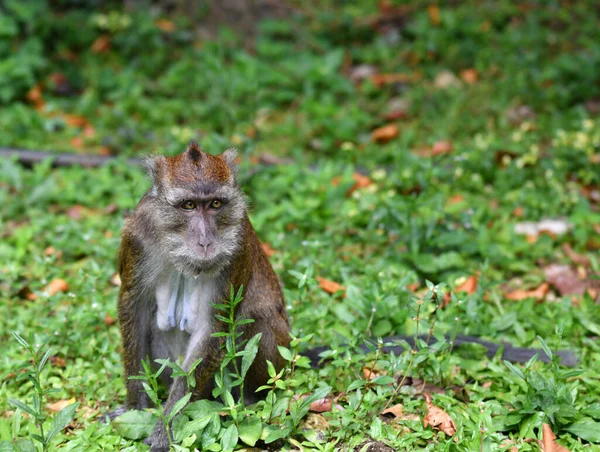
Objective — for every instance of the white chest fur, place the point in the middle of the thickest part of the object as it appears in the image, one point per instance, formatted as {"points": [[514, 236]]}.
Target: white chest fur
{"points": [[183, 302]]}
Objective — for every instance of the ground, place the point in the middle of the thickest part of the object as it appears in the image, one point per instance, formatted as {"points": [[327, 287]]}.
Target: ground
{"points": [[411, 169]]}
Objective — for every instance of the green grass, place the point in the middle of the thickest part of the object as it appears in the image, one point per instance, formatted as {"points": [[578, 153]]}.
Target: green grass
{"points": [[292, 96]]}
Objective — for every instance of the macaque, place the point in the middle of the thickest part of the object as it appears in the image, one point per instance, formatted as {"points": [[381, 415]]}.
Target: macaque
{"points": [[188, 241]]}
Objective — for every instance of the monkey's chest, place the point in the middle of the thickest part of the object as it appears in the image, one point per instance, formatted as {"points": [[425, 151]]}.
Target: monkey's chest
{"points": [[184, 303]]}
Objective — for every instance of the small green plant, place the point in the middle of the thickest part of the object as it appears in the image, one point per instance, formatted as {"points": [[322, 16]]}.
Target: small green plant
{"points": [[549, 397], [32, 371]]}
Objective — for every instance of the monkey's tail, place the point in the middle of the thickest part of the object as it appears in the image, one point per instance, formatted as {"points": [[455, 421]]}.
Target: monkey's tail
{"points": [[509, 352]]}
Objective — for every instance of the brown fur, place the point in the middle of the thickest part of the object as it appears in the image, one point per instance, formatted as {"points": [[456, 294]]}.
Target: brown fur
{"points": [[248, 267]]}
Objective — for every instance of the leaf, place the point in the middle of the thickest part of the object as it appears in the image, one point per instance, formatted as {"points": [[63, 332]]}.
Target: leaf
{"points": [[135, 424], [469, 285], [360, 182], [179, 405], [55, 286], [166, 25], [469, 76], [329, 286], [515, 370], [18, 404], [251, 350], [101, 44], [395, 411], [61, 420], [441, 147], [549, 443], [320, 405], [285, 353], [230, 438], [538, 294], [586, 429], [434, 14], [250, 430], [385, 134], [59, 405], [565, 279], [267, 249], [438, 418]]}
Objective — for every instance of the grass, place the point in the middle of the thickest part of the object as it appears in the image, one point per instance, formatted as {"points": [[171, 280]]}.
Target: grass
{"points": [[492, 124]]}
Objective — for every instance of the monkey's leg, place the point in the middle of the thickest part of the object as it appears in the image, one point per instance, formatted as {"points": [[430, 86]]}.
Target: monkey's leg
{"points": [[275, 331], [207, 348]]}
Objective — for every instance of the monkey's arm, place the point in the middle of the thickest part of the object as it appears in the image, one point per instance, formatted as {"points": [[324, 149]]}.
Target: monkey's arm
{"points": [[509, 353], [133, 313]]}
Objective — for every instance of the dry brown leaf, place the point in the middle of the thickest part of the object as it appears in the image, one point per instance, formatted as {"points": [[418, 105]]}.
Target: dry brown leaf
{"points": [[329, 286], [469, 76], [57, 361], [109, 320], [434, 14], [396, 410], [360, 181], [320, 406], [442, 147], [60, 404], [469, 286], [575, 257], [538, 294], [35, 96], [446, 79], [101, 44], [389, 79], [56, 285], [385, 133], [438, 418], [369, 373], [75, 212], [414, 286], [549, 443], [267, 249], [165, 25], [565, 279]]}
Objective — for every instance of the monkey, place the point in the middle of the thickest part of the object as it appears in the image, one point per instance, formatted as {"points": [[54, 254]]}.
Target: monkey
{"points": [[188, 241]]}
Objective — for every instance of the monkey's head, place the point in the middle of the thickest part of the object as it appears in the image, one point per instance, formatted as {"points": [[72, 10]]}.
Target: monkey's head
{"points": [[200, 209]]}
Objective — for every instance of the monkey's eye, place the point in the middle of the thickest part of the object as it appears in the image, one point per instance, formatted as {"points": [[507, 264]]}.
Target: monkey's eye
{"points": [[216, 204], [188, 205]]}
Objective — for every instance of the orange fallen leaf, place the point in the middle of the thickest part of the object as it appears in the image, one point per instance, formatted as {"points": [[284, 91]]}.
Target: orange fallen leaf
{"points": [[518, 212], [369, 373], [360, 181], [101, 44], [329, 286], [320, 406], [549, 443], [109, 320], [34, 95], [455, 199], [469, 76], [442, 147], [412, 287], [396, 410], [165, 25], [56, 285], [267, 249], [469, 286], [60, 404], [389, 79], [538, 294], [77, 142], [76, 120], [385, 133], [438, 418], [434, 14], [75, 212]]}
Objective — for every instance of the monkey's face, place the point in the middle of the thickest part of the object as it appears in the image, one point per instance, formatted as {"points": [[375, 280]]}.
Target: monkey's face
{"points": [[200, 210]]}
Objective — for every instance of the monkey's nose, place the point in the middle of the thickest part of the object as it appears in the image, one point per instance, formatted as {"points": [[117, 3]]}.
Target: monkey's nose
{"points": [[204, 245]]}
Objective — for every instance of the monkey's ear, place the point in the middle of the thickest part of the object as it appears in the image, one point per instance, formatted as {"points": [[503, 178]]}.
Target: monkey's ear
{"points": [[229, 156], [152, 165]]}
